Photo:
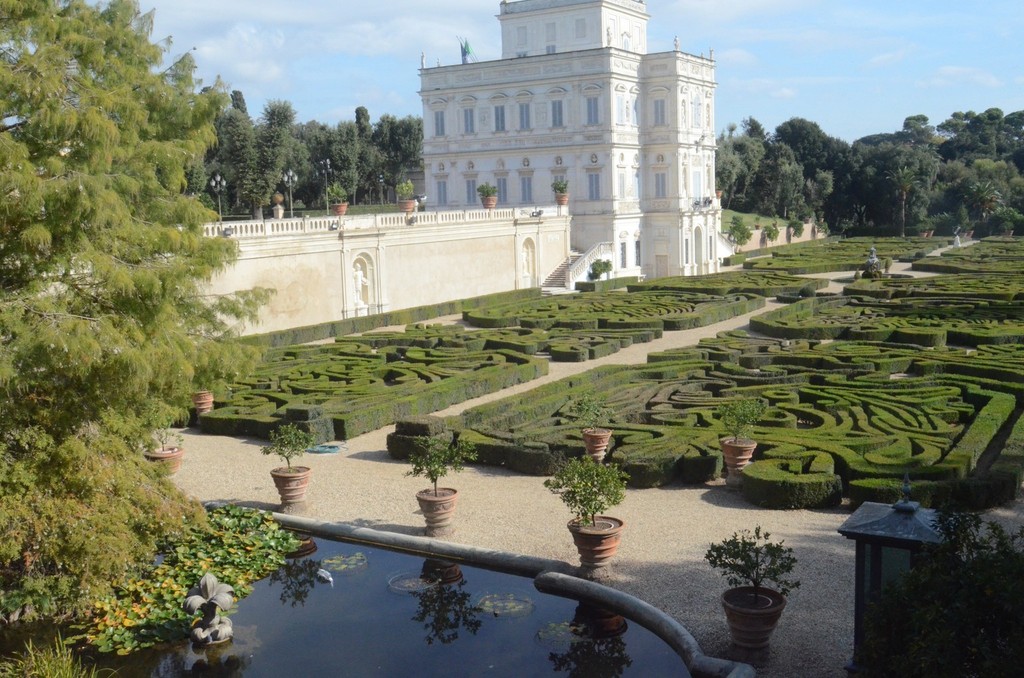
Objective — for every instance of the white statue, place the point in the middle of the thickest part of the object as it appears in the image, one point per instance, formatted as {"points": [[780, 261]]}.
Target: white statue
{"points": [[361, 284]]}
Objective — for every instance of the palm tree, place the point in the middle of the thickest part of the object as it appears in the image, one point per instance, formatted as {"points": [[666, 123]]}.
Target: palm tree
{"points": [[905, 180], [984, 197]]}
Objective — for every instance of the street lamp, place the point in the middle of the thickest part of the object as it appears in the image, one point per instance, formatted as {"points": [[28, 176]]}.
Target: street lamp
{"points": [[218, 184], [325, 172], [380, 180], [289, 179]]}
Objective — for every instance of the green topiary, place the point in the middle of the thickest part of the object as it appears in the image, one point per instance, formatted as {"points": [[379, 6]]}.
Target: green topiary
{"points": [[435, 457], [288, 442], [751, 559]]}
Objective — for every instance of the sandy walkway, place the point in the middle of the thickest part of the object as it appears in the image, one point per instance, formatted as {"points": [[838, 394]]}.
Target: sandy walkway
{"points": [[661, 558]]}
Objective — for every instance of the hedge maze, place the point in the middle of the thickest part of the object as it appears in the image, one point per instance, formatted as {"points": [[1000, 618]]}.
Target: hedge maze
{"points": [[846, 418], [991, 255], [844, 255], [361, 383]]}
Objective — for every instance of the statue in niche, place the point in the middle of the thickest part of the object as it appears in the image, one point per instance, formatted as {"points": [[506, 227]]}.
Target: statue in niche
{"points": [[608, 35], [361, 285]]}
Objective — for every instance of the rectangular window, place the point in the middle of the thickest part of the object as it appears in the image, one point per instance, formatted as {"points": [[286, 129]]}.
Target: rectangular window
{"points": [[438, 123], [659, 112], [467, 121], [499, 118], [636, 184], [620, 107], [556, 114], [524, 116], [622, 185], [442, 192], [471, 196], [593, 117], [581, 29], [526, 189], [550, 49], [594, 186], [502, 186], [660, 185], [622, 254], [636, 253]]}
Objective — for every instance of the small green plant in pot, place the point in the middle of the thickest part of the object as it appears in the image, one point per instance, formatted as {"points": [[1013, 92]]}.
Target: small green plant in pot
{"points": [[434, 459], [404, 191], [748, 560], [290, 442], [560, 187], [588, 489], [738, 416], [488, 195], [591, 413], [337, 196], [165, 444], [599, 268]]}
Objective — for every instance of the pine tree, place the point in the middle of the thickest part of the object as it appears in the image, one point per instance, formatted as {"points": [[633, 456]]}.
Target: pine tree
{"points": [[103, 317]]}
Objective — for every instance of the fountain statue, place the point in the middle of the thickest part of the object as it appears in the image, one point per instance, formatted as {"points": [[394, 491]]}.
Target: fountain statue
{"points": [[208, 597]]}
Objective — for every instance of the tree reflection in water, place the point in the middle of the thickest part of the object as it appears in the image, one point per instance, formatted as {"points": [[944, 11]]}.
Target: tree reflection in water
{"points": [[596, 648], [297, 579], [444, 609]]}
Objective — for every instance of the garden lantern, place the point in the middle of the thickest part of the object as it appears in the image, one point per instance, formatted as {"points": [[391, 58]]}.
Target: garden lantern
{"points": [[889, 540]]}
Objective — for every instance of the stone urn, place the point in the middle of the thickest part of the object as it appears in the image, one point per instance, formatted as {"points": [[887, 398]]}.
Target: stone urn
{"points": [[596, 441], [438, 510], [596, 543], [752, 615], [291, 483], [169, 456], [737, 453]]}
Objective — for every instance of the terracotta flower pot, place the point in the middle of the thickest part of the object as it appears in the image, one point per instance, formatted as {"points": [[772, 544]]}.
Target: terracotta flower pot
{"points": [[561, 198], [737, 454], [339, 209], [291, 483], [489, 202], [596, 544], [203, 401], [752, 619], [438, 510], [170, 457], [596, 441], [406, 205]]}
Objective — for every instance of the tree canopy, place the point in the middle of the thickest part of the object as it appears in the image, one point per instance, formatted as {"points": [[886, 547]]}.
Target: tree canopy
{"points": [[104, 324]]}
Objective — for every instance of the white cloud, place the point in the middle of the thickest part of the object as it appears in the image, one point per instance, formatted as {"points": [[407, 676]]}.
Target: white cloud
{"points": [[949, 76], [888, 58]]}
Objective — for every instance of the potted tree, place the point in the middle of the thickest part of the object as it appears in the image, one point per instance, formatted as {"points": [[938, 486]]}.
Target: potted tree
{"points": [[404, 191], [588, 489], [560, 187], [338, 199], [170, 451], [747, 560], [488, 195], [590, 412], [738, 416], [433, 459], [290, 442]]}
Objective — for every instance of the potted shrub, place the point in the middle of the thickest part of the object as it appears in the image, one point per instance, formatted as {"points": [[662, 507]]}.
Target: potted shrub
{"points": [[488, 195], [169, 451], [590, 412], [433, 459], [738, 416], [289, 442], [404, 191], [560, 187], [747, 560], [202, 401], [337, 197], [588, 489], [598, 268]]}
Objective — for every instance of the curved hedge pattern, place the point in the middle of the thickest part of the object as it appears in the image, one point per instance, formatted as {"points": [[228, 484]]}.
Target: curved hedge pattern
{"points": [[849, 417], [844, 255]]}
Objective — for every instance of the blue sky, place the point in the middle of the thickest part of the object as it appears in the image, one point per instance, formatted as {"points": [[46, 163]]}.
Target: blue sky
{"points": [[856, 67]]}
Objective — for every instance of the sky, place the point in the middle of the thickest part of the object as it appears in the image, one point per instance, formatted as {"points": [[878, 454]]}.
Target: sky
{"points": [[855, 67]]}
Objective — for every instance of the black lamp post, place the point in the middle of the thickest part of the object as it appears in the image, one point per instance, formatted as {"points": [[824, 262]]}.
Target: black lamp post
{"points": [[289, 178], [380, 181], [889, 540], [325, 172], [218, 184]]}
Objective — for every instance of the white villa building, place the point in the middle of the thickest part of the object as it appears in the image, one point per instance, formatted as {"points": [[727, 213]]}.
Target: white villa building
{"points": [[577, 96]]}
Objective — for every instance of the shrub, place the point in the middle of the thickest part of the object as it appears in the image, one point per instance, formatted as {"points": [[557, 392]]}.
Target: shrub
{"points": [[957, 612], [751, 559], [588, 488], [598, 268]]}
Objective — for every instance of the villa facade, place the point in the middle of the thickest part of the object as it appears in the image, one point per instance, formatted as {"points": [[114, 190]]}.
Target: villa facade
{"points": [[577, 96]]}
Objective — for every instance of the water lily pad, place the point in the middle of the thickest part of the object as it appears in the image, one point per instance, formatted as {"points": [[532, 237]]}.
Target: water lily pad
{"points": [[410, 582], [509, 605], [343, 564], [561, 635]]}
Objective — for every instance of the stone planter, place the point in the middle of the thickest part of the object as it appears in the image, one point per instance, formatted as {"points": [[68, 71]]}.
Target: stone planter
{"points": [[291, 483], [596, 441], [203, 401], [752, 619], [489, 202], [407, 206], [561, 198], [737, 453], [339, 209], [596, 544], [438, 510], [169, 456]]}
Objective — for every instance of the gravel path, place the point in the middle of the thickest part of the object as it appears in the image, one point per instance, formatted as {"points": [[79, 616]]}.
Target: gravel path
{"points": [[661, 557]]}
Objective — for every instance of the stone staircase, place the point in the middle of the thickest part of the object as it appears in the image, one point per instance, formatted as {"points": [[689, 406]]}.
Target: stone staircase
{"points": [[556, 281]]}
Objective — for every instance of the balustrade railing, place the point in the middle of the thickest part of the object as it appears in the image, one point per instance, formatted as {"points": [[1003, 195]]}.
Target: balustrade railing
{"points": [[579, 268]]}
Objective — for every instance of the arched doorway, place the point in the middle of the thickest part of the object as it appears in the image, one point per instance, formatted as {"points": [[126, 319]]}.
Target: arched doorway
{"points": [[699, 255]]}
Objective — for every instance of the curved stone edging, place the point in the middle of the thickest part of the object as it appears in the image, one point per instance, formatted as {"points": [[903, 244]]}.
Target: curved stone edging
{"points": [[550, 576]]}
